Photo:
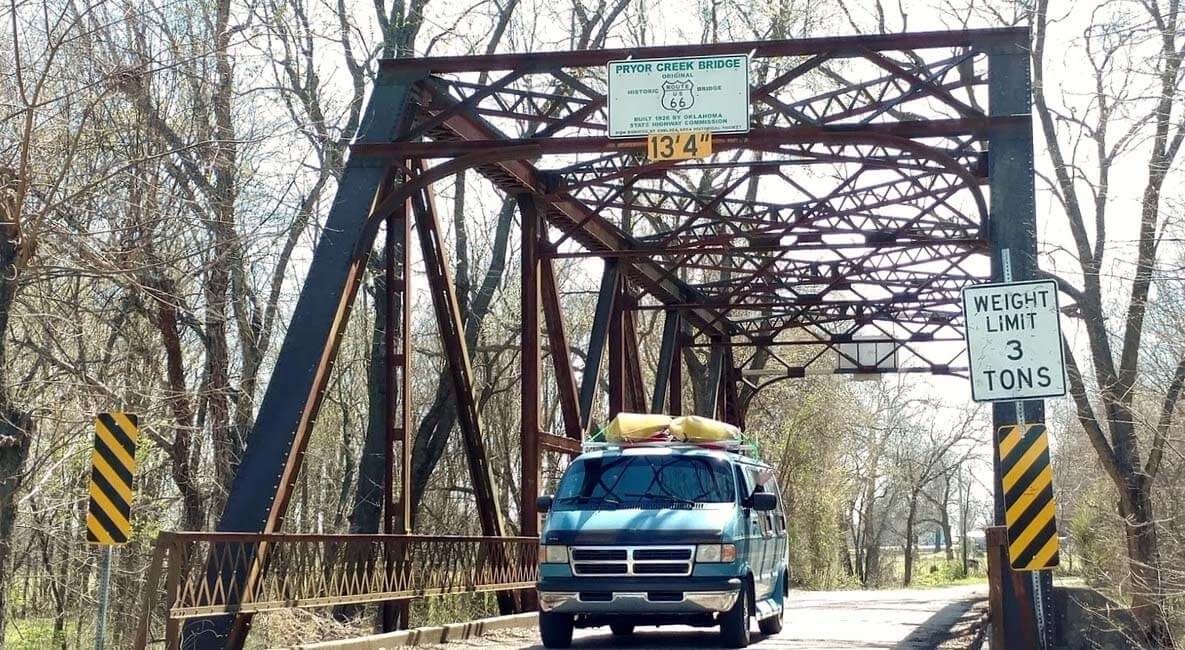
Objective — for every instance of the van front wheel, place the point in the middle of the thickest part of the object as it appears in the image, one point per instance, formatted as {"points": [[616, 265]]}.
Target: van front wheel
{"points": [[555, 629], [772, 625], [734, 624]]}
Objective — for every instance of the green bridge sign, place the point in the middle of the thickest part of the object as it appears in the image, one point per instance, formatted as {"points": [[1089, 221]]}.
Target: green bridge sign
{"points": [[705, 93]]}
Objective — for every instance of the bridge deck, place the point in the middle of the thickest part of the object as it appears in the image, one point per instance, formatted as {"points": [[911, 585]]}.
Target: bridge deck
{"points": [[901, 619]]}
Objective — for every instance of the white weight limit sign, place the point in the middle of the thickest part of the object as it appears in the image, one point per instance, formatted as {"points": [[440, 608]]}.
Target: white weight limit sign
{"points": [[1014, 341]]}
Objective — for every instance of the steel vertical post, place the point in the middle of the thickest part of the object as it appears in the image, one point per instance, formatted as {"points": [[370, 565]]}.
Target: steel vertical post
{"points": [[403, 516], [1012, 229], [557, 338], [104, 596], [617, 376], [529, 354], [715, 376], [390, 612], [397, 409], [667, 361], [456, 350], [595, 353], [676, 381], [635, 391]]}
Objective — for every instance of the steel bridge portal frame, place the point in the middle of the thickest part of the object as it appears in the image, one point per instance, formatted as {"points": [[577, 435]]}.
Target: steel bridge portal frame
{"points": [[772, 284]]}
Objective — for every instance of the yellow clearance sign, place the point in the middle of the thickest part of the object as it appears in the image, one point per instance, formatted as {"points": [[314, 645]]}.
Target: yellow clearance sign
{"points": [[679, 146], [1028, 497], [113, 465]]}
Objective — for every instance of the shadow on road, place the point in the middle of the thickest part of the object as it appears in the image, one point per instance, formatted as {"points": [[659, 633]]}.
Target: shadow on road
{"points": [[953, 626], [945, 626]]}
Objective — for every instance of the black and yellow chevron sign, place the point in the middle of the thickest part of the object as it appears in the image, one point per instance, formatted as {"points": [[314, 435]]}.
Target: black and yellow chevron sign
{"points": [[1028, 497], [113, 464]]}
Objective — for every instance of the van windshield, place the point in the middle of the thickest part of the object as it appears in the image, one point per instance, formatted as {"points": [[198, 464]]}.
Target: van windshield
{"points": [[659, 481]]}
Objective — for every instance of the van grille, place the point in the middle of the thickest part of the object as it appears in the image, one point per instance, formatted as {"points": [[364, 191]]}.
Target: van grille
{"points": [[596, 554], [606, 569], [638, 560], [665, 568], [662, 554]]}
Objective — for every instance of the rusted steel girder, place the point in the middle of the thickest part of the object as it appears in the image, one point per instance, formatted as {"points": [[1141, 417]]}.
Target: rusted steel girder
{"points": [[397, 407], [668, 363], [557, 338], [452, 337], [635, 389], [597, 340], [616, 344], [758, 49], [531, 375], [759, 138]]}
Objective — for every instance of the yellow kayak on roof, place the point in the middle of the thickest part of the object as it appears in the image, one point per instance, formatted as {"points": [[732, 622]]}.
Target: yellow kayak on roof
{"points": [[656, 427], [638, 427], [697, 429]]}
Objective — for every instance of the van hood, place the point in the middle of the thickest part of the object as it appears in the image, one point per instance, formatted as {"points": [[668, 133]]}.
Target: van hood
{"points": [[703, 524]]}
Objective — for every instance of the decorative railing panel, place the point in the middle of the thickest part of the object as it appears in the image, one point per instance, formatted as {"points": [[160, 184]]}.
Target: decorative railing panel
{"points": [[209, 574]]}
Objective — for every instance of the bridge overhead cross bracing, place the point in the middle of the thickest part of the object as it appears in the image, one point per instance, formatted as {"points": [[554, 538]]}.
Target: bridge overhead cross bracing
{"points": [[853, 210]]}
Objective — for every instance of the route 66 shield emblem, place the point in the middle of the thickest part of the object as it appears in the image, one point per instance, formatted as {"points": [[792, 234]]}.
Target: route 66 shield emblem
{"points": [[677, 95]]}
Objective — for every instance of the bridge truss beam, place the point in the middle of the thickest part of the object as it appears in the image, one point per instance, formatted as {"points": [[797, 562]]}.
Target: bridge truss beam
{"points": [[854, 210]]}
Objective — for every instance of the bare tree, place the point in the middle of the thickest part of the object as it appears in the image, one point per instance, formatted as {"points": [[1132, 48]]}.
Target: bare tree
{"points": [[1134, 57]]}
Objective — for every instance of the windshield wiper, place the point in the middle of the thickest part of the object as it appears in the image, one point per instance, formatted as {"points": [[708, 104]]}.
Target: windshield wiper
{"points": [[662, 497], [590, 498]]}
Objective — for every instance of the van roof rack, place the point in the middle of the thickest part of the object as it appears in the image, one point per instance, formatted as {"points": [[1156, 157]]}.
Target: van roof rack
{"points": [[741, 447]]}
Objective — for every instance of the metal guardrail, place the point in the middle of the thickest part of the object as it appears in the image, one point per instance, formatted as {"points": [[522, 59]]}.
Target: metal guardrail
{"points": [[208, 574]]}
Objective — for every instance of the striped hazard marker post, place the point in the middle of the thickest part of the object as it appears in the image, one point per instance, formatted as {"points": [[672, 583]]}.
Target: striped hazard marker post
{"points": [[109, 515], [1028, 497]]}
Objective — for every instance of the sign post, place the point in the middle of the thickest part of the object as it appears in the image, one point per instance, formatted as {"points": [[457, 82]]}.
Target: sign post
{"points": [[108, 517]]}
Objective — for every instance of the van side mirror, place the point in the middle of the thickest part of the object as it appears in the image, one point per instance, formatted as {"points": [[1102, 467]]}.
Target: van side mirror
{"points": [[764, 501], [543, 502]]}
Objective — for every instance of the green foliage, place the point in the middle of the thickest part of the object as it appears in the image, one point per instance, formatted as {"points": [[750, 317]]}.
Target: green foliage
{"points": [[37, 634], [797, 438], [937, 571]]}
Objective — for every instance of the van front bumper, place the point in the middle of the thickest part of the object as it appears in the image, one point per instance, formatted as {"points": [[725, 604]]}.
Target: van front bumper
{"points": [[603, 596], [692, 602]]}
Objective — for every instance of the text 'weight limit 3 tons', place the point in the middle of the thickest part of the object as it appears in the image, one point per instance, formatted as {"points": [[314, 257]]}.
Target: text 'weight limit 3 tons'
{"points": [[1014, 341]]}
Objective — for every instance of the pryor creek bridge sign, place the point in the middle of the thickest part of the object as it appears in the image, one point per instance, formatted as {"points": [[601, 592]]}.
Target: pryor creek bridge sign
{"points": [[1014, 341], [703, 93]]}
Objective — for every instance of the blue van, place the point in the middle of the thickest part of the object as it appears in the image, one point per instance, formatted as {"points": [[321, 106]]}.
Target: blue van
{"points": [[663, 534]]}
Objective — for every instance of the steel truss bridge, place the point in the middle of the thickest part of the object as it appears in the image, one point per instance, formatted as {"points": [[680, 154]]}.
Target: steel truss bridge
{"points": [[881, 175]]}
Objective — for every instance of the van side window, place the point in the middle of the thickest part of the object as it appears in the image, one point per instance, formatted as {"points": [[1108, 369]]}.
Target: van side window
{"points": [[779, 513], [743, 486]]}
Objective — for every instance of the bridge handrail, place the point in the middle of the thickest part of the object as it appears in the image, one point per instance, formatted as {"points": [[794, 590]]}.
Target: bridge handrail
{"points": [[204, 572]]}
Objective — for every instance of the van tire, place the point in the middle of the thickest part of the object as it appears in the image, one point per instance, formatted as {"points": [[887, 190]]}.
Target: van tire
{"points": [[772, 625], [734, 624], [555, 629], [622, 629]]}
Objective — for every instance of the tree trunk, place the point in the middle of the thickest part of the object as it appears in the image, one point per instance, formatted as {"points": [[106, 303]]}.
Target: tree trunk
{"points": [[1147, 591], [366, 512], [228, 440], [15, 433], [845, 557], [16, 426], [907, 578], [944, 520]]}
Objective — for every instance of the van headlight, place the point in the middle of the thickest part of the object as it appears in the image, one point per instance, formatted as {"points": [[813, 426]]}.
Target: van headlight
{"points": [[553, 554], [715, 553]]}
